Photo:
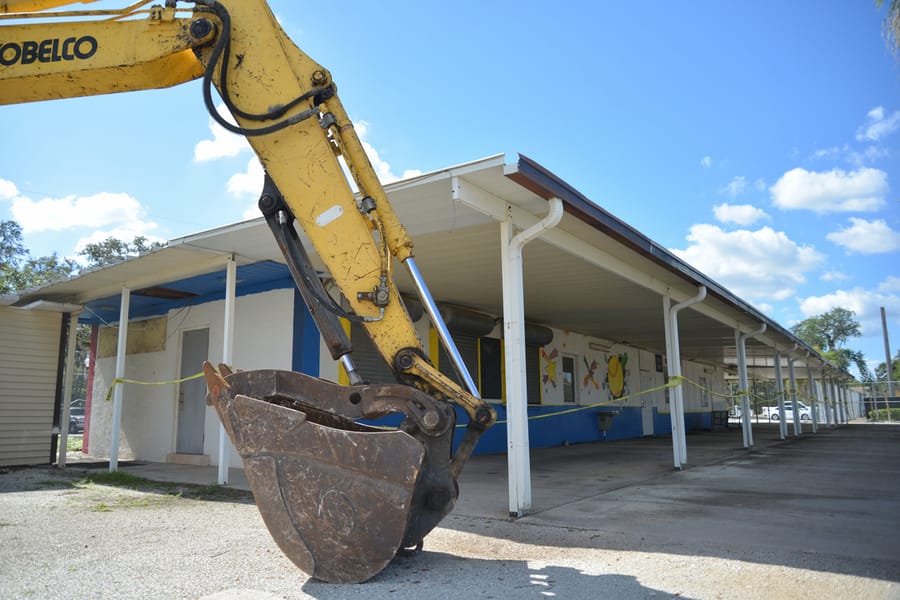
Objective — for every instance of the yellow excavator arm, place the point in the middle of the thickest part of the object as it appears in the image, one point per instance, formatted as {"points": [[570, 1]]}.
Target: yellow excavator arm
{"points": [[317, 505]]}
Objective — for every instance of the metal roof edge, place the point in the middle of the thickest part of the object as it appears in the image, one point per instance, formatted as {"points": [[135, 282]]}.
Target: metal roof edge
{"points": [[494, 160], [192, 238]]}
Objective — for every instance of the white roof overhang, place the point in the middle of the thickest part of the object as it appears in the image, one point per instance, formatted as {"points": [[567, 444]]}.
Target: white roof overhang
{"points": [[592, 273]]}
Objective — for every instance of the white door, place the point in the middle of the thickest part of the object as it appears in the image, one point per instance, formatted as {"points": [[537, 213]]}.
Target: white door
{"points": [[192, 394]]}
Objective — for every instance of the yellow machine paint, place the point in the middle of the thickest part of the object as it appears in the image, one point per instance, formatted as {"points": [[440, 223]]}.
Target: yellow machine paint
{"points": [[287, 106]]}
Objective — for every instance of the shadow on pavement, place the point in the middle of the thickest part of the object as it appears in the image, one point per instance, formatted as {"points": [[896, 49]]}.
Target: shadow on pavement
{"points": [[825, 502], [443, 575]]}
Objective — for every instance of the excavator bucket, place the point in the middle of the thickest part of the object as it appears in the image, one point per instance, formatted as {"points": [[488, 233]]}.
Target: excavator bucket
{"points": [[339, 497]]}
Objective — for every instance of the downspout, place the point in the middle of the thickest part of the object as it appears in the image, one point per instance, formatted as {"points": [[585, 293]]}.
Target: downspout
{"points": [[744, 383], [673, 350], [518, 461]]}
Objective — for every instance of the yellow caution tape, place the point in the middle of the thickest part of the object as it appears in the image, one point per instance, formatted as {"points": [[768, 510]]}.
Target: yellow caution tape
{"points": [[120, 380]]}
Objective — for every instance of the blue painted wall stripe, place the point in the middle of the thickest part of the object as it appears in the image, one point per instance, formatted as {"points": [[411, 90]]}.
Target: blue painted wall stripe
{"points": [[305, 351]]}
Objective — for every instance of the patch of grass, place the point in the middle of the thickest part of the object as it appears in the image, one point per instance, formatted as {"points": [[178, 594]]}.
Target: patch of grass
{"points": [[74, 443], [150, 494], [885, 414], [118, 479]]}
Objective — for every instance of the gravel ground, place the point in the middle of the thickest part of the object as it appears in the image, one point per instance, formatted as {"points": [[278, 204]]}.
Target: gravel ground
{"points": [[63, 536]]}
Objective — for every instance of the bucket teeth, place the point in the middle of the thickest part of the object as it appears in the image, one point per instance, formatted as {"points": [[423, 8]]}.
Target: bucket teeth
{"points": [[215, 383]]}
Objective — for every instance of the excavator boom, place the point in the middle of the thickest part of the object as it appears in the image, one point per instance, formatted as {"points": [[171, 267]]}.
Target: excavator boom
{"points": [[340, 498]]}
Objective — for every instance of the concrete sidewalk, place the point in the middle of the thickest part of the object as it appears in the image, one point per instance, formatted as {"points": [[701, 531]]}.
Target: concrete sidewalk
{"points": [[825, 502]]}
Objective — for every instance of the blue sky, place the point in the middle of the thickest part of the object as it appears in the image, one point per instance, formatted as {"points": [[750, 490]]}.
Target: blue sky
{"points": [[760, 140]]}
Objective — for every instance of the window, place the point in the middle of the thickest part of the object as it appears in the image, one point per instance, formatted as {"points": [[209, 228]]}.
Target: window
{"points": [[490, 368], [568, 378]]}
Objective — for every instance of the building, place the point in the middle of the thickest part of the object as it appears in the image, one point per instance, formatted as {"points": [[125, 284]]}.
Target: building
{"points": [[516, 257]]}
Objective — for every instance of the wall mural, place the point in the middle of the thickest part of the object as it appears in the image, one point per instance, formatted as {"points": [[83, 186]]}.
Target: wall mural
{"points": [[616, 374], [603, 376], [589, 376], [549, 375]]}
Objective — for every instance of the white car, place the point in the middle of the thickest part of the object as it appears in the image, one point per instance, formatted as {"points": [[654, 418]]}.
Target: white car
{"points": [[805, 412]]}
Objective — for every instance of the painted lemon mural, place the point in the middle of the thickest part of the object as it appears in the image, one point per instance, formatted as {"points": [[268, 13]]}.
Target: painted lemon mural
{"points": [[615, 374]]}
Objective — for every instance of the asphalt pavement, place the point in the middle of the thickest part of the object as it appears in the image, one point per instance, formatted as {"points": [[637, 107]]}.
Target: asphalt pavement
{"points": [[814, 516]]}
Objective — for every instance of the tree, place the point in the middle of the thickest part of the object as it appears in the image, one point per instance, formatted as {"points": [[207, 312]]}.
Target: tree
{"points": [[844, 357], [891, 23], [881, 370], [11, 246], [828, 332], [113, 250], [19, 270]]}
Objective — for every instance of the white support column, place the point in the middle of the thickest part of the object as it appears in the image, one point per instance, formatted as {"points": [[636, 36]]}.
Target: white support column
{"points": [[67, 389], [741, 344], [832, 393], [119, 391], [673, 358], [743, 384], [826, 398], [813, 395], [842, 393], [227, 358], [779, 389], [518, 461], [835, 394], [798, 429]]}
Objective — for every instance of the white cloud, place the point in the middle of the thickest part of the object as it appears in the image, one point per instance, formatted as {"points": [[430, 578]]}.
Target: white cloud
{"points": [[382, 167], [735, 187], [765, 308], [706, 162], [832, 191], [98, 210], [8, 190], [249, 182], [878, 125], [251, 212], [739, 214], [829, 153], [891, 284], [849, 155], [865, 303], [223, 144], [757, 265], [867, 237], [834, 276]]}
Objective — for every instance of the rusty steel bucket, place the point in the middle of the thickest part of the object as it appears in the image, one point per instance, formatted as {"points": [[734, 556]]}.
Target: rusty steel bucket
{"points": [[340, 498]]}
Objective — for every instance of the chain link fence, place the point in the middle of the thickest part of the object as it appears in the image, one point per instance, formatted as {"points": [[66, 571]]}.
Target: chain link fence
{"points": [[882, 401]]}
